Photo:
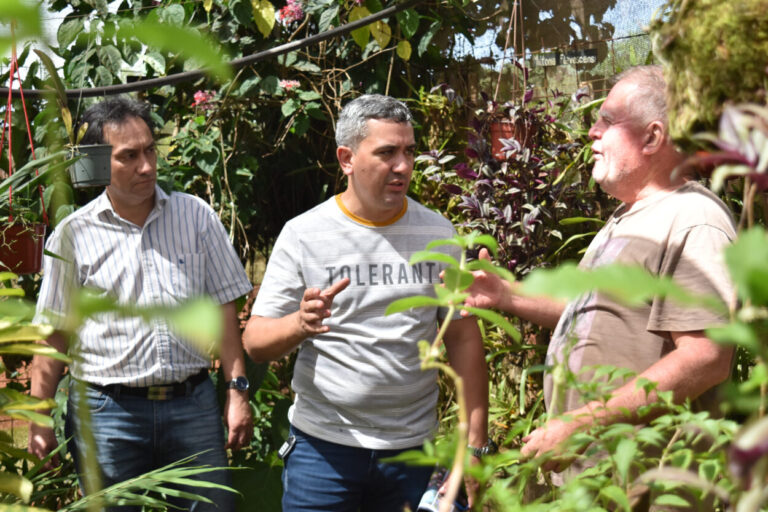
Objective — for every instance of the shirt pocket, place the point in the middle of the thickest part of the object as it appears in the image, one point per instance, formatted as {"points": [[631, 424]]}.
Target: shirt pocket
{"points": [[186, 275]]}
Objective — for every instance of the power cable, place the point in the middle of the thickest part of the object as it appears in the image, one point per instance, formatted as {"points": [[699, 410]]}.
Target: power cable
{"points": [[141, 85]]}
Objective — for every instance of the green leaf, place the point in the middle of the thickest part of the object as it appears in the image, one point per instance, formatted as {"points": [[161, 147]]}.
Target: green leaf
{"points": [[404, 50], [736, 333], [309, 67], [182, 40], [496, 319], [671, 500], [456, 241], [746, 260], [111, 58], [16, 485], [580, 220], [25, 333], [616, 495], [362, 34], [409, 22], [457, 280], [623, 455], [58, 85], [631, 285], [381, 33], [172, 14], [270, 85], [198, 321], [155, 60], [68, 31], [420, 256], [264, 16], [427, 37], [309, 96], [33, 349], [418, 301], [290, 106], [328, 17], [489, 267], [248, 85]]}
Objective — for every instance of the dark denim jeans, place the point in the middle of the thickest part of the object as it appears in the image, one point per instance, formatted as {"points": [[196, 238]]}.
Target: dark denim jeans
{"points": [[319, 475], [134, 435]]}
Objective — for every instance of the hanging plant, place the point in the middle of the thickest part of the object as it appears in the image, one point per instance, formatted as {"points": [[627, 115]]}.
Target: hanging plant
{"points": [[91, 163], [713, 52]]}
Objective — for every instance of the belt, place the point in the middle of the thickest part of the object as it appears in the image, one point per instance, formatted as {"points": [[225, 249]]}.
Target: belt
{"points": [[162, 392]]}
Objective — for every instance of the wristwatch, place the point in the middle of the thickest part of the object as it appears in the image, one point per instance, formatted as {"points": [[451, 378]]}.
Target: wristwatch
{"points": [[238, 383], [488, 449]]}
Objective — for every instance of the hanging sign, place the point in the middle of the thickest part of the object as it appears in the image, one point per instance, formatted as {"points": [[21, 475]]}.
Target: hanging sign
{"points": [[570, 58]]}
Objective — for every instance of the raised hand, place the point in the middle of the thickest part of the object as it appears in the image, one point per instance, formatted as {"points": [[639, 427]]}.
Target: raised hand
{"points": [[316, 306], [488, 290]]}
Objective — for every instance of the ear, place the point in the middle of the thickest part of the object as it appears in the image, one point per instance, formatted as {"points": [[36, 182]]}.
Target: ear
{"points": [[654, 137], [345, 155]]}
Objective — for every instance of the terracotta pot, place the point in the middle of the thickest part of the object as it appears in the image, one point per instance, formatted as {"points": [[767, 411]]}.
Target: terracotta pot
{"points": [[21, 247], [508, 129], [94, 169]]}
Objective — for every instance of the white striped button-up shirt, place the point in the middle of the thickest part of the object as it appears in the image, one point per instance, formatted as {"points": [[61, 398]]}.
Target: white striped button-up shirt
{"points": [[182, 251]]}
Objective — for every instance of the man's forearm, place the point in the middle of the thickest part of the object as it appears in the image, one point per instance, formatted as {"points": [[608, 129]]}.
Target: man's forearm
{"points": [[694, 366], [465, 352], [231, 353], [45, 372], [538, 310], [267, 339]]}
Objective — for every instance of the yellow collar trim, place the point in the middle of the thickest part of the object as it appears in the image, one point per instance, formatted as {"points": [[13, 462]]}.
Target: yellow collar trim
{"points": [[367, 222]]}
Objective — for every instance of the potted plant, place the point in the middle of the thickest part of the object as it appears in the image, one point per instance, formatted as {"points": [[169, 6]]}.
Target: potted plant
{"points": [[22, 215], [91, 164]]}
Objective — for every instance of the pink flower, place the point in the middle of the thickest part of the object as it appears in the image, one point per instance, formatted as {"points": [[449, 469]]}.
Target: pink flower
{"points": [[202, 99], [289, 84], [292, 11]]}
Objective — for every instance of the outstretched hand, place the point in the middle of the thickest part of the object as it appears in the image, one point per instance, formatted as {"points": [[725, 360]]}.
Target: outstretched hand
{"points": [[488, 290], [316, 306]]}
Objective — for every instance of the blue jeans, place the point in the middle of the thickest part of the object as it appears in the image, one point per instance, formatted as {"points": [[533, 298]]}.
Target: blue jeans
{"points": [[134, 435], [319, 475]]}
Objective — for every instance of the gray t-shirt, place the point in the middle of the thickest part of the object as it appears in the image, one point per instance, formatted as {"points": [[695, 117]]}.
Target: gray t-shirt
{"points": [[679, 234], [361, 383]]}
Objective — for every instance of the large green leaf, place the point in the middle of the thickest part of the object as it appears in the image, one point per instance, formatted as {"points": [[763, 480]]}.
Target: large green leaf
{"points": [[69, 30], [182, 40], [747, 260], [497, 319], [616, 495], [631, 285], [457, 279], [25, 333], [420, 256], [264, 16], [427, 37], [623, 455], [16, 485], [33, 349], [360, 35], [418, 301], [409, 22], [111, 58]]}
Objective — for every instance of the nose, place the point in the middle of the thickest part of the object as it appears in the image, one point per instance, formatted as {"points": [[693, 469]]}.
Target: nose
{"points": [[404, 164], [148, 164], [596, 131]]}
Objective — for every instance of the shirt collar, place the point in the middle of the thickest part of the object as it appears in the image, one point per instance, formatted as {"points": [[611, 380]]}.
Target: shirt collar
{"points": [[103, 204]]}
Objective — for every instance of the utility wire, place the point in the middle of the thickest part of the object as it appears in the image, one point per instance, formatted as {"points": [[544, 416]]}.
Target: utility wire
{"points": [[141, 85]]}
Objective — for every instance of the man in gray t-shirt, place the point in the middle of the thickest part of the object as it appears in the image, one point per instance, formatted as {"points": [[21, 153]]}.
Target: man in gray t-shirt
{"points": [[667, 224], [360, 393]]}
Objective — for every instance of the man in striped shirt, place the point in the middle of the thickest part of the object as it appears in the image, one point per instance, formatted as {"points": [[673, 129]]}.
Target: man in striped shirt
{"points": [[360, 393], [150, 398]]}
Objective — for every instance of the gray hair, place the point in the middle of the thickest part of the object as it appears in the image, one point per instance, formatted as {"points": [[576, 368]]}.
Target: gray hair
{"points": [[352, 126], [649, 102]]}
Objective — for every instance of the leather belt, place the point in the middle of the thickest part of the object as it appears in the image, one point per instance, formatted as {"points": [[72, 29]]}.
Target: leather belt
{"points": [[161, 392]]}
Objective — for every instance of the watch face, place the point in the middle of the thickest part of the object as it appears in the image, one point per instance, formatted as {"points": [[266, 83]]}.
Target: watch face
{"points": [[239, 383]]}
